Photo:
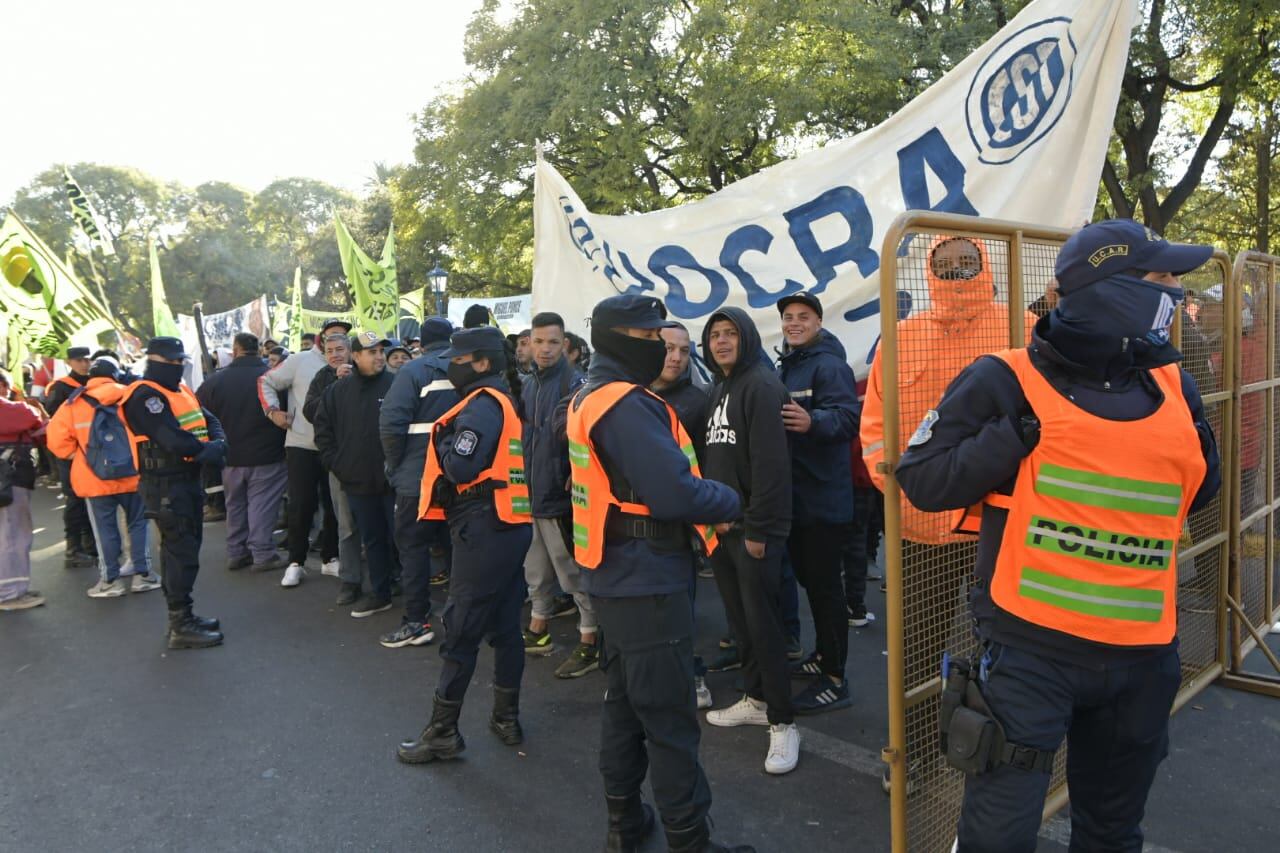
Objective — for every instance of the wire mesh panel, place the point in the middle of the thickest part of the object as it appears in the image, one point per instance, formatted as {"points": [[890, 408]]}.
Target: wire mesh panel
{"points": [[966, 287]]}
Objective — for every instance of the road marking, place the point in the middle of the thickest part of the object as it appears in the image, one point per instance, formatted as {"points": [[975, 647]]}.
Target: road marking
{"points": [[856, 758]]}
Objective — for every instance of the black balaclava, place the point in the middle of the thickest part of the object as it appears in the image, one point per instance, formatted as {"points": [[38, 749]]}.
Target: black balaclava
{"points": [[463, 376], [1116, 324], [640, 358], [165, 374]]}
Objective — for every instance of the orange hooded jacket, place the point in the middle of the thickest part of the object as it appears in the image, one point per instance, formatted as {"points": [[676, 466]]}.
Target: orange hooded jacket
{"points": [[963, 321], [69, 436]]}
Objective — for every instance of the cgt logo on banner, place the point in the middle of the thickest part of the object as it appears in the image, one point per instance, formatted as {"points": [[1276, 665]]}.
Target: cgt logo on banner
{"points": [[998, 136]]}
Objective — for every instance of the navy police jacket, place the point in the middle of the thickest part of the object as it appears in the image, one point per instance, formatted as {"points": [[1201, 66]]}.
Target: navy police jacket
{"points": [[420, 393]]}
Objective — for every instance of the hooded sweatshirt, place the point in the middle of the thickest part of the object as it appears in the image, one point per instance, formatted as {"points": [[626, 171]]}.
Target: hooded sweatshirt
{"points": [[819, 380], [963, 321], [746, 441], [691, 405]]}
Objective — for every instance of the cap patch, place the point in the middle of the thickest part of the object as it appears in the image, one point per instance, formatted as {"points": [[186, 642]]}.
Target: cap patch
{"points": [[1115, 250]]}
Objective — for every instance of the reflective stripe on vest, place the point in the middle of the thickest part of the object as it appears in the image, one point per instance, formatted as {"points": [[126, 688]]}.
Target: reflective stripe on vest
{"points": [[511, 499], [184, 405], [1096, 513], [592, 494]]}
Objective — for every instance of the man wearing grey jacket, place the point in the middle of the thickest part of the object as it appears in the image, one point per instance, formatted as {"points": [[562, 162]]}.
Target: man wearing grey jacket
{"points": [[281, 392]]}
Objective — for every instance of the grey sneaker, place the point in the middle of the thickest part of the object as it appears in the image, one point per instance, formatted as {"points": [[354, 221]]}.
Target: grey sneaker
{"points": [[25, 601], [103, 589], [145, 583]]}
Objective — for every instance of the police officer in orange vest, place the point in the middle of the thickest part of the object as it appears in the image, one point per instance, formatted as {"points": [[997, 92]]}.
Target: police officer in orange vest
{"points": [[474, 478], [1076, 460], [172, 437], [636, 494], [78, 532]]}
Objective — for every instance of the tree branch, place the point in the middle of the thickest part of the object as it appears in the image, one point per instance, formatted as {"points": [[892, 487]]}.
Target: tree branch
{"points": [[1195, 169], [1124, 208]]}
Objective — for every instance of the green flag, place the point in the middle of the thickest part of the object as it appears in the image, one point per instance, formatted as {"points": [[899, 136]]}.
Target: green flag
{"points": [[373, 284], [42, 303], [314, 319], [87, 220], [161, 316], [295, 312]]}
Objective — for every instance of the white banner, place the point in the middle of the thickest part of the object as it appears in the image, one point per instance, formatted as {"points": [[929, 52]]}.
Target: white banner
{"points": [[251, 317], [1018, 130], [511, 313]]}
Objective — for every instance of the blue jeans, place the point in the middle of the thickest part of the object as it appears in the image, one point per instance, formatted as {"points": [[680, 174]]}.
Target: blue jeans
{"points": [[374, 516], [106, 529], [1116, 725]]}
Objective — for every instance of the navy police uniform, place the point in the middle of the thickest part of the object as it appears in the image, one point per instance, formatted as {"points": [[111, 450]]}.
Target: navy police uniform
{"points": [[75, 514], [171, 489]]}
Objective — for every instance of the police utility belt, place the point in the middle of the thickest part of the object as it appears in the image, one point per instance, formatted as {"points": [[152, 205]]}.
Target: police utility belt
{"points": [[969, 735], [666, 535], [155, 460], [482, 491]]}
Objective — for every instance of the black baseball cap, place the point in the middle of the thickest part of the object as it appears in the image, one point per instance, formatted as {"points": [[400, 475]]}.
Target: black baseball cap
{"points": [[78, 352], [334, 321], [478, 339], [170, 348], [1112, 246], [436, 329], [368, 339], [629, 311], [806, 298]]}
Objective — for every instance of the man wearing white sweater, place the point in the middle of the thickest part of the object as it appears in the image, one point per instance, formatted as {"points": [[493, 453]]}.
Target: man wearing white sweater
{"points": [[282, 391]]}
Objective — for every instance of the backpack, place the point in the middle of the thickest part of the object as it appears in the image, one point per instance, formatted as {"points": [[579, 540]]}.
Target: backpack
{"points": [[108, 453]]}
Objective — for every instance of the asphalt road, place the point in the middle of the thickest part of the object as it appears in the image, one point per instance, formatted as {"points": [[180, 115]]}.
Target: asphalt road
{"points": [[283, 738]]}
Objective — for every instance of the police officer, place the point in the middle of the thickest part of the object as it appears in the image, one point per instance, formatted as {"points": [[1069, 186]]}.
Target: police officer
{"points": [[78, 532], [636, 489], [1083, 453], [172, 437], [474, 478]]}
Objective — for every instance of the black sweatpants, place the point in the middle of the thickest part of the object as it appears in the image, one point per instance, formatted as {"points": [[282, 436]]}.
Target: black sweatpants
{"points": [[650, 723], [75, 514], [307, 482], [750, 589], [177, 505], [815, 554]]}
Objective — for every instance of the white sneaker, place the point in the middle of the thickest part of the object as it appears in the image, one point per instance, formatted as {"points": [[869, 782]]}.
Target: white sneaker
{"points": [[784, 749], [745, 712], [704, 692], [102, 589], [145, 583], [293, 575], [330, 569]]}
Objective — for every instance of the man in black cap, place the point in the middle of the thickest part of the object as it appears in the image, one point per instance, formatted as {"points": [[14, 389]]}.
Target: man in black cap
{"points": [[476, 316], [420, 393], [1084, 453], [475, 478], [627, 448], [81, 549], [173, 436]]}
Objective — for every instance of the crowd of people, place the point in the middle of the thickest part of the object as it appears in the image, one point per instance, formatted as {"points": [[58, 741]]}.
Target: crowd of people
{"points": [[601, 480]]}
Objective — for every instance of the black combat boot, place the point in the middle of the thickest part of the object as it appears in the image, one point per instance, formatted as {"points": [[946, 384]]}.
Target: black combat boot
{"points": [[505, 719], [208, 623], [440, 739], [697, 839], [185, 633], [74, 558], [630, 823]]}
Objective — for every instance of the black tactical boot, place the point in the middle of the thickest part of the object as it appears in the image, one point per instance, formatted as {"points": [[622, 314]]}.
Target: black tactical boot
{"points": [[505, 719], [77, 559], [184, 633], [697, 839], [439, 740], [209, 623], [630, 823]]}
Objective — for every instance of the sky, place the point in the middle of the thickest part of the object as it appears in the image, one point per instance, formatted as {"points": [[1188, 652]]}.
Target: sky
{"points": [[245, 92]]}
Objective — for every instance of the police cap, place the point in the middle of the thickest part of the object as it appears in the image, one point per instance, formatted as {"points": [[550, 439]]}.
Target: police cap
{"points": [[77, 352], [479, 339], [1114, 245], [170, 348], [629, 311]]}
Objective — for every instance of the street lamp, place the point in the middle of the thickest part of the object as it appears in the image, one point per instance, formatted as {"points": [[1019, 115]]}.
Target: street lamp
{"points": [[439, 277]]}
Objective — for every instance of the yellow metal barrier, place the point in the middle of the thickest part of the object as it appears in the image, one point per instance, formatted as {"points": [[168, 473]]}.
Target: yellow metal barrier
{"points": [[927, 569], [1253, 593]]}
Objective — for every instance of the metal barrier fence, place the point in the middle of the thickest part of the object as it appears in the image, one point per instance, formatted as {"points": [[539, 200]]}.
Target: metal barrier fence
{"points": [[942, 324], [1253, 594]]}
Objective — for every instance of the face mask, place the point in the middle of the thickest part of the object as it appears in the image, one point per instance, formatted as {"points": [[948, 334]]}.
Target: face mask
{"points": [[1117, 323], [642, 358], [167, 375], [461, 375]]}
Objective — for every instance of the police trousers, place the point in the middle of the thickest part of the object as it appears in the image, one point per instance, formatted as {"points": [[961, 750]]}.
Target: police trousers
{"points": [[486, 592], [650, 724], [177, 505], [1116, 725]]}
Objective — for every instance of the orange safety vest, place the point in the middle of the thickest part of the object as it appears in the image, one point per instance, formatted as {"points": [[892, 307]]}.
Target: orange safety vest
{"points": [[591, 482], [68, 438], [1095, 516], [184, 405], [511, 497]]}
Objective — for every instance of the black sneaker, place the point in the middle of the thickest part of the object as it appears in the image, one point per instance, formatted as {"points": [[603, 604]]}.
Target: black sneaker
{"points": [[821, 696], [237, 563], [728, 643], [409, 634], [807, 668], [370, 605], [563, 605], [270, 564], [585, 658], [538, 643], [727, 660], [348, 593], [859, 617], [441, 579]]}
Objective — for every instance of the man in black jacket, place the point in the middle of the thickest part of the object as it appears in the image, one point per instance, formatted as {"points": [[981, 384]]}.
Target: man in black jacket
{"points": [[254, 478], [347, 438], [78, 533], [746, 449], [675, 385]]}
